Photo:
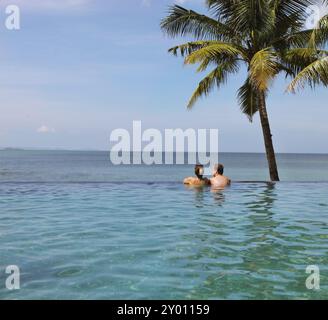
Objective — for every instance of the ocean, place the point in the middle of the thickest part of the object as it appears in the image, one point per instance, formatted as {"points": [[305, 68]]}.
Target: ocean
{"points": [[95, 166], [80, 228]]}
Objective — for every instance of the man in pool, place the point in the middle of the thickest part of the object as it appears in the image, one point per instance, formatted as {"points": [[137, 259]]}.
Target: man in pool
{"points": [[218, 180], [199, 180]]}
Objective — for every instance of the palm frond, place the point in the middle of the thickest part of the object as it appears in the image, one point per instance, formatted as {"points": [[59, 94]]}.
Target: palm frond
{"points": [[299, 58], [247, 16], [263, 68], [216, 77], [314, 74], [214, 52], [248, 99], [182, 22], [189, 47], [290, 7], [224, 10], [298, 39], [319, 35], [287, 26]]}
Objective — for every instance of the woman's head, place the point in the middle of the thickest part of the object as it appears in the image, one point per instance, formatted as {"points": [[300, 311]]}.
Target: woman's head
{"points": [[199, 171]]}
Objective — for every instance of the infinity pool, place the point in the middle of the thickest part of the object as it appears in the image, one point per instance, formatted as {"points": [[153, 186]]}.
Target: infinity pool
{"points": [[163, 241]]}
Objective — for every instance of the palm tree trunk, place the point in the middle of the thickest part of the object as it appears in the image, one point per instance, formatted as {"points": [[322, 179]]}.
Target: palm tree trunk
{"points": [[268, 139]]}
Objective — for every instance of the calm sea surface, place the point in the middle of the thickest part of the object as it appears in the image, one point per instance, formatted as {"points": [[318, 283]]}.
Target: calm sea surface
{"points": [[80, 228]]}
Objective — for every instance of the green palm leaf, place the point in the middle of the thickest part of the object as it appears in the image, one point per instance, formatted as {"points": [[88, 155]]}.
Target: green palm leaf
{"points": [[300, 58], [248, 99], [182, 22], [319, 35], [214, 52], [263, 68], [217, 77], [188, 48], [313, 74]]}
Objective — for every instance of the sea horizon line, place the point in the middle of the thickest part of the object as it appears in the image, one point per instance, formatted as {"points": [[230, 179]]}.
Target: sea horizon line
{"points": [[163, 152]]}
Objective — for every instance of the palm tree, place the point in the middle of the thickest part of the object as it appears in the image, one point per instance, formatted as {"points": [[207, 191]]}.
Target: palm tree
{"points": [[267, 36], [315, 72]]}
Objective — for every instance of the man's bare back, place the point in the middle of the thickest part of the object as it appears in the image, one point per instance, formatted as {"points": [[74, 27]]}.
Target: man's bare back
{"points": [[220, 181]]}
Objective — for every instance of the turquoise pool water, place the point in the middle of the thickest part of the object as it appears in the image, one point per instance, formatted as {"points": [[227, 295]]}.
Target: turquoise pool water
{"points": [[79, 228], [163, 241]]}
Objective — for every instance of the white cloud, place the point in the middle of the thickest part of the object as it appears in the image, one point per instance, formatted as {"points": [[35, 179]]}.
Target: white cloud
{"points": [[45, 129]]}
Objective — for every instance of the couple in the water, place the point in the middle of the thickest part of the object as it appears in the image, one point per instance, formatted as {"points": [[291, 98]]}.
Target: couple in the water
{"points": [[218, 180]]}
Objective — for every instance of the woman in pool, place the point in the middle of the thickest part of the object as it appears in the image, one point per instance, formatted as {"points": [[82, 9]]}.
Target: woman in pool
{"points": [[199, 180]]}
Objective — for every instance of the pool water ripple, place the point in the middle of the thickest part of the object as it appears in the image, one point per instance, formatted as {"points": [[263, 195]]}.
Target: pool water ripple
{"points": [[164, 241]]}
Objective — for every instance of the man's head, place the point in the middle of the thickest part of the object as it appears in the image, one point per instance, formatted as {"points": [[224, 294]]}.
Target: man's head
{"points": [[218, 169], [199, 171]]}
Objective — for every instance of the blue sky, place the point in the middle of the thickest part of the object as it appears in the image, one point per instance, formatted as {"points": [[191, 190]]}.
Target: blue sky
{"points": [[78, 69]]}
